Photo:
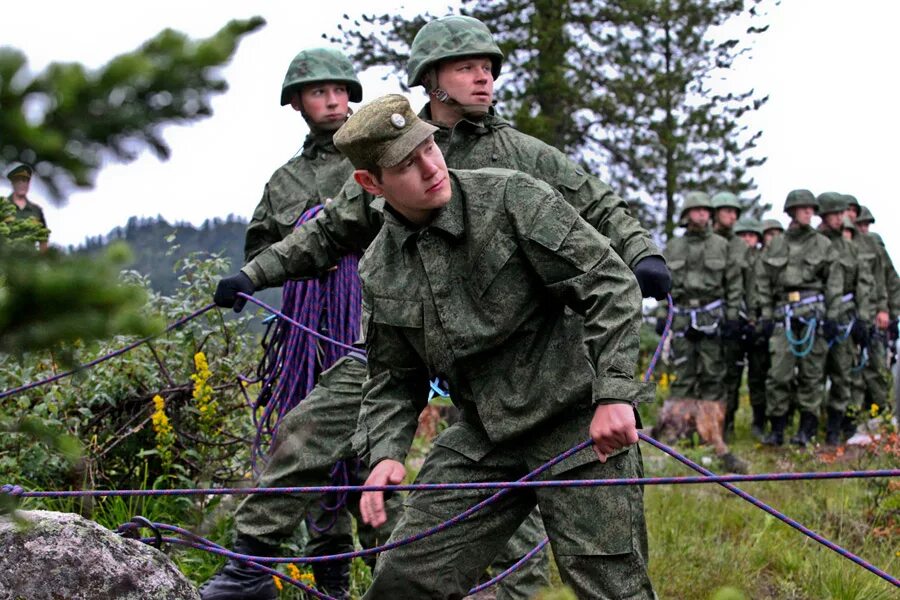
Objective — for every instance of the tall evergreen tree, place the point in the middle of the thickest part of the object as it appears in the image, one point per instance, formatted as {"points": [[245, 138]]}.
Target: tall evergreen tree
{"points": [[624, 86]]}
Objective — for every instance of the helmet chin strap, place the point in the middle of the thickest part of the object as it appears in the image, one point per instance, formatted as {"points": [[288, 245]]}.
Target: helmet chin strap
{"points": [[475, 111]]}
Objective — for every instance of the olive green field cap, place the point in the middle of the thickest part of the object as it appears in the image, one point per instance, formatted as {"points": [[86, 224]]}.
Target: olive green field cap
{"points": [[747, 224], [772, 224], [851, 200], [831, 202], [726, 200], [318, 65], [382, 133], [20, 170], [695, 200], [865, 215], [456, 36], [797, 198]]}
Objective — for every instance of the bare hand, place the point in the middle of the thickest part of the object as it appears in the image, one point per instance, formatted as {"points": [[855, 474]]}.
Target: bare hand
{"points": [[612, 427], [371, 504], [882, 320]]}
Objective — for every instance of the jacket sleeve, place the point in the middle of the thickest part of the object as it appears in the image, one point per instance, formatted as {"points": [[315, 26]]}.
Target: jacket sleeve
{"points": [[262, 231], [834, 283], [598, 204], [395, 391], [764, 288], [734, 278], [346, 224], [577, 266]]}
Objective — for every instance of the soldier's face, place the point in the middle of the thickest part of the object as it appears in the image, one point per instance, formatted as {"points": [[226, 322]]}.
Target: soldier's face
{"points": [[698, 217], [803, 215], [417, 187], [468, 80], [769, 235], [863, 227], [20, 185], [852, 212], [726, 217], [750, 238], [325, 104], [833, 221]]}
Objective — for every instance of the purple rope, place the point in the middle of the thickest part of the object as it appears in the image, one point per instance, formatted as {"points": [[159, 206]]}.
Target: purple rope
{"points": [[500, 577], [297, 324], [104, 358], [670, 315]]}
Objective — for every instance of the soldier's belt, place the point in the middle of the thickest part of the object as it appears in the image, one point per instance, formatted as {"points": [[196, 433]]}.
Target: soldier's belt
{"points": [[802, 298], [691, 309]]}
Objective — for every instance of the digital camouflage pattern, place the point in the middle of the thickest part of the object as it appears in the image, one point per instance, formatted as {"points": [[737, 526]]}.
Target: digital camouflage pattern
{"points": [[726, 200], [801, 262], [318, 65], [772, 224], [831, 202], [800, 198], [307, 180], [350, 222], [478, 298], [703, 271], [450, 37]]}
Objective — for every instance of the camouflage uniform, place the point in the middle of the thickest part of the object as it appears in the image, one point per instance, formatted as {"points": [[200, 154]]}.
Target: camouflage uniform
{"points": [[706, 291], [29, 211], [854, 311], [479, 297], [732, 349], [797, 280]]}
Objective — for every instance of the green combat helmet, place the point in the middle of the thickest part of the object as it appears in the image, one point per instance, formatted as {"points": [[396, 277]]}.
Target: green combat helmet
{"points": [[831, 202], [450, 37], [772, 224], [851, 200], [865, 215], [797, 198], [317, 65], [726, 200], [694, 200], [747, 224]]}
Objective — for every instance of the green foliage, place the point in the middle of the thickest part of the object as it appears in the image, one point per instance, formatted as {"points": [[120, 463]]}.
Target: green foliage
{"points": [[23, 233], [65, 119]]}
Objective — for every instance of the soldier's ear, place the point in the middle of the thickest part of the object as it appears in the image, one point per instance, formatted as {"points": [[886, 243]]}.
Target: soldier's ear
{"points": [[368, 181], [296, 101]]}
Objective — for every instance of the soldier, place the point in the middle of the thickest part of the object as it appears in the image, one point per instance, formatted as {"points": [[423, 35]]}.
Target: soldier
{"points": [[854, 314], [319, 84], [20, 177], [706, 291], [771, 228], [727, 211], [459, 59], [755, 346], [470, 279], [799, 284]]}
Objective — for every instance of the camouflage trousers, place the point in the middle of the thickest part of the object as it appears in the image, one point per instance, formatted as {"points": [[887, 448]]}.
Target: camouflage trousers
{"points": [[839, 370], [598, 534], [698, 367], [733, 356], [793, 378], [311, 439], [870, 385]]}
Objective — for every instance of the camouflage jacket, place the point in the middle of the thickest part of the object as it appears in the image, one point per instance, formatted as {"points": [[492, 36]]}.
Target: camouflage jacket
{"points": [[704, 269], [872, 253], [857, 277], [801, 260], [750, 303], [29, 211], [891, 280], [351, 222], [305, 181], [479, 297]]}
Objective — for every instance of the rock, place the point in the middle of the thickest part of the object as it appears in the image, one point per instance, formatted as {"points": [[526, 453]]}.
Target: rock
{"points": [[56, 556]]}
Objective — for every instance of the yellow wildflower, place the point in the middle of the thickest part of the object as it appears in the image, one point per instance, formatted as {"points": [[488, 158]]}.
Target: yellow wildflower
{"points": [[165, 436], [203, 392], [278, 583], [873, 410]]}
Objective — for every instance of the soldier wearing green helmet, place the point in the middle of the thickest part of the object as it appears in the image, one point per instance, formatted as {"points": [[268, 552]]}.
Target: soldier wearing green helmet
{"points": [[771, 228], [319, 84], [851, 327], [706, 291], [798, 285], [727, 211]]}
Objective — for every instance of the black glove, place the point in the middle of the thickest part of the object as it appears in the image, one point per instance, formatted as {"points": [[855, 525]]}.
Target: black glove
{"points": [[830, 330], [892, 331], [860, 332], [654, 278], [227, 291], [660, 325], [731, 329], [767, 328]]}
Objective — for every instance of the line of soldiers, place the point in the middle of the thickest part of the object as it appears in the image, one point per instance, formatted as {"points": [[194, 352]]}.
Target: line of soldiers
{"points": [[474, 271], [795, 306]]}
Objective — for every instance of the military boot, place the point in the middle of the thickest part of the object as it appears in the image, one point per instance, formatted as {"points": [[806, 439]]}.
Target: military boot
{"points": [[333, 578], [806, 432], [758, 427], [776, 432], [238, 581], [733, 464], [833, 427]]}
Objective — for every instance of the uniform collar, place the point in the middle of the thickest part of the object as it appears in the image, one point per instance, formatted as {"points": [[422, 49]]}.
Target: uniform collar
{"points": [[797, 231], [318, 142], [726, 233], [700, 233], [449, 219], [488, 123]]}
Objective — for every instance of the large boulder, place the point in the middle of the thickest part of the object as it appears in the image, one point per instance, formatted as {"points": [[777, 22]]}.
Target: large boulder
{"points": [[56, 556]]}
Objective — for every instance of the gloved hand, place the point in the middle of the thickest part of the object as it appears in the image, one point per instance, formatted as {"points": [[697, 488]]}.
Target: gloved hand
{"points": [[227, 291], [654, 278], [766, 328], [731, 329], [830, 329], [860, 332], [660, 325]]}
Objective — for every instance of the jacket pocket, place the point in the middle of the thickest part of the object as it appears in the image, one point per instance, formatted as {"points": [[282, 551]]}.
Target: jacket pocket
{"points": [[491, 260], [397, 313]]}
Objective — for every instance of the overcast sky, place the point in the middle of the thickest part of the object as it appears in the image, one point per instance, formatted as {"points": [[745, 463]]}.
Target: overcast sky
{"points": [[831, 123]]}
